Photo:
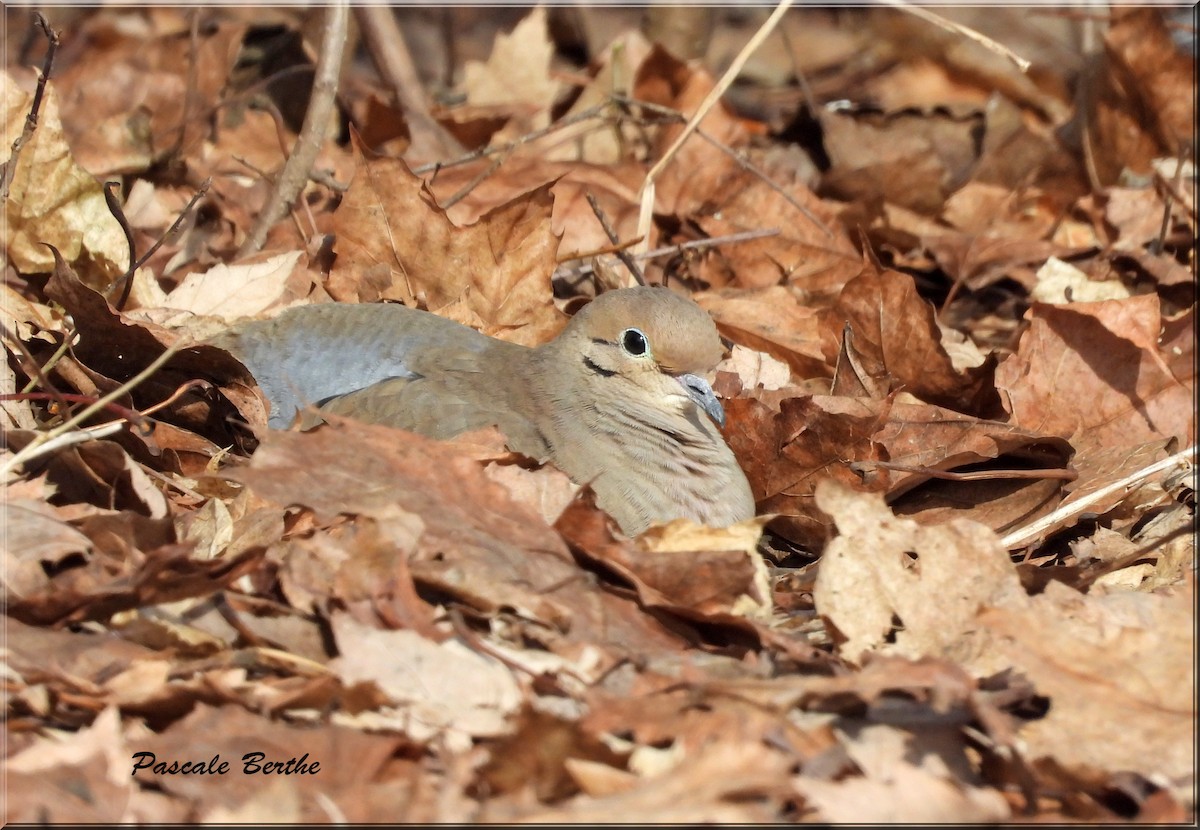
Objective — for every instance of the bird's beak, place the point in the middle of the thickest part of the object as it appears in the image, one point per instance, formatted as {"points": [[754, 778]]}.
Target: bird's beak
{"points": [[698, 390]]}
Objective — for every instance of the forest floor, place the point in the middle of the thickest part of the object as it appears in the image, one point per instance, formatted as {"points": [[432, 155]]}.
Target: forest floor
{"points": [[956, 271]]}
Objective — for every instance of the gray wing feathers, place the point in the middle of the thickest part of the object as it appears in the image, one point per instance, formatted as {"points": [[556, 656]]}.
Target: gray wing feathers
{"points": [[309, 354]]}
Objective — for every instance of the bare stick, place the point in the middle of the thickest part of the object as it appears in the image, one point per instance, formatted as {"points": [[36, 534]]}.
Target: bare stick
{"points": [[1031, 532], [170, 482], [979, 475], [591, 112], [1172, 193], [391, 57], [76, 436], [114, 207], [587, 268], [184, 388], [70, 338], [316, 122], [967, 32], [622, 254], [475, 181], [738, 157], [118, 213], [647, 207], [742, 161], [31, 120], [595, 252], [748, 165], [31, 367], [117, 411], [32, 449], [189, 94], [183, 214], [1172, 196]]}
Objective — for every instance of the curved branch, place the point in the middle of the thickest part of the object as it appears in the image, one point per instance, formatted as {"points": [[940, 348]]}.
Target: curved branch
{"points": [[316, 122]]}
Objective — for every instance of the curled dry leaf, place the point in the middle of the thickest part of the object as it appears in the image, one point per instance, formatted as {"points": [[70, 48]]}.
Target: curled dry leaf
{"points": [[728, 782], [116, 345], [907, 794], [787, 451], [756, 369], [906, 158], [236, 291], [463, 536], [896, 337], [128, 105], [52, 200], [1060, 282], [102, 789], [709, 570]]}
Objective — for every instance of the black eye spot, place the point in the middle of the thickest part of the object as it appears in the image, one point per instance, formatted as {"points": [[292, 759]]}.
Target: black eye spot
{"points": [[634, 342]]}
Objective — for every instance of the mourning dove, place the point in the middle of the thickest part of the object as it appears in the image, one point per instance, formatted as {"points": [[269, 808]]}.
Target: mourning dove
{"points": [[616, 401]]}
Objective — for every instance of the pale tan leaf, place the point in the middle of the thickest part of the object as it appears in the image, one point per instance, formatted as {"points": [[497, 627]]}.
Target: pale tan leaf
{"points": [[52, 199]]}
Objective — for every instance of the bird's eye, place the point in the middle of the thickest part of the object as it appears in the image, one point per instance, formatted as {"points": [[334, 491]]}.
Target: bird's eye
{"points": [[634, 342]]}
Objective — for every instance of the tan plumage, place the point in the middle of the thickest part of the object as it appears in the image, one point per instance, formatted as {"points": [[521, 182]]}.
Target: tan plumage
{"points": [[615, 401]]}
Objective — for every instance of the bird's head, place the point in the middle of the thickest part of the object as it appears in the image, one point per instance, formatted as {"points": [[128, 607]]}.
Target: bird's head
{"points": [[650, 342]]}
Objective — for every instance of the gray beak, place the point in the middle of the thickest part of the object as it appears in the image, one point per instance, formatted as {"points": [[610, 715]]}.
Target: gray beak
{"points": [[700, 392]]}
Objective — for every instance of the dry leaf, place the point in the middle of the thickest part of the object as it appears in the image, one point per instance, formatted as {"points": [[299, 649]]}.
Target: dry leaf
{"points": [[53, 200]]}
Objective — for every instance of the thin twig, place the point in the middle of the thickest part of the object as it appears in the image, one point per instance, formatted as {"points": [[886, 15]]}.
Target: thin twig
{"points": [[250, 95], [114, 207], [806, 90], [1031, 532], [484, 646], [326, 179], [183, 214], [622, 254], [189, 91], [750, 166], [475, 181], [171, 482], [66, 399], [595, 252], [31, 367], [312, 133], [711, 242], [126, 280], [597, 111], [70, 338], [177, 394], [31, 119], [647, 202], [742, 161], [389, 52], [67, 439], [33, 448], [264, 103], [977, 475], [1171, 193], [967, 32]]}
